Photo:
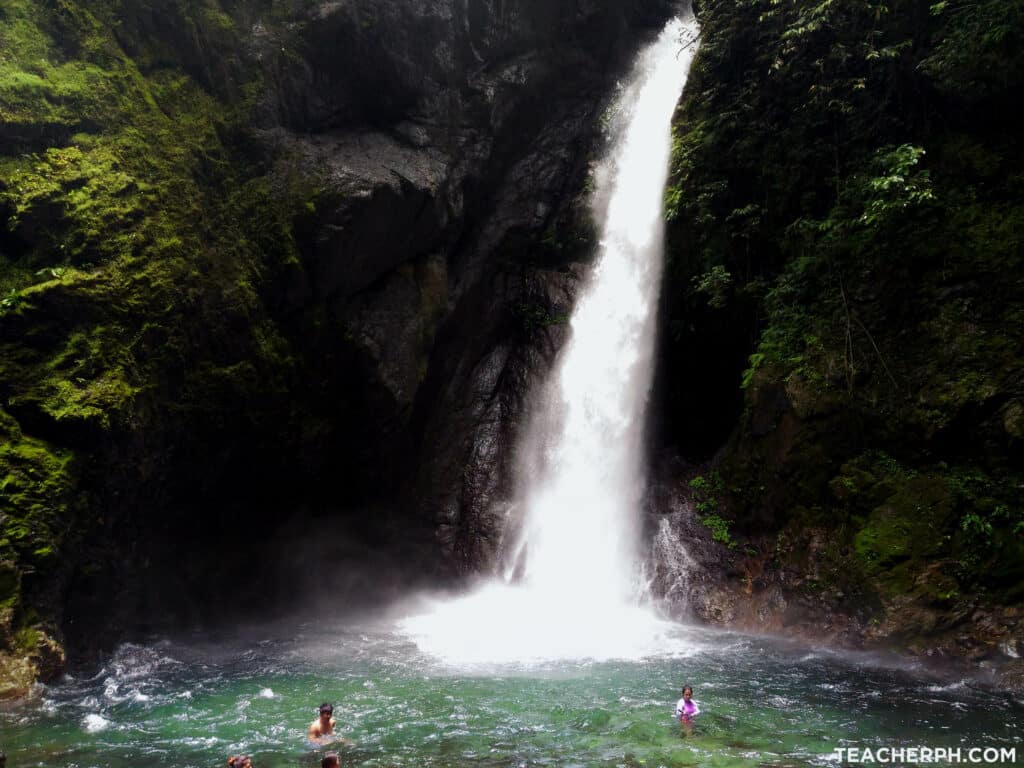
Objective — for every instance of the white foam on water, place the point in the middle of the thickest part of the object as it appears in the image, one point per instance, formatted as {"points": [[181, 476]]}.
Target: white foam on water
{"points": [[504, 624], [954, 686], [94, 723]]}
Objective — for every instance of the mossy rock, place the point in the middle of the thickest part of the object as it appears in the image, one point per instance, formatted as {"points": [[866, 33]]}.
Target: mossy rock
{"points": [[87, 380], [17, 674], [905, 531], [869, 480], [36, 488], [851, 482], [138, 234], [33, 655]]}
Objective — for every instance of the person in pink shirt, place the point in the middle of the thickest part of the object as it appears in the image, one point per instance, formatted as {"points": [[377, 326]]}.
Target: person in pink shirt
{"points": [[687, 709]]}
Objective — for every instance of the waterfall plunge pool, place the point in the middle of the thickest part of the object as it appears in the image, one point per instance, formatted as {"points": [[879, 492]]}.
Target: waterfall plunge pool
{"points": [[603, 696], [192, 702]]}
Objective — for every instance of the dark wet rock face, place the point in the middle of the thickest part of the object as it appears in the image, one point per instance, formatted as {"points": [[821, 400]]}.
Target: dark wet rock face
{"points": [[477, 406], [450, 164], [379, 203], [448, 144]]}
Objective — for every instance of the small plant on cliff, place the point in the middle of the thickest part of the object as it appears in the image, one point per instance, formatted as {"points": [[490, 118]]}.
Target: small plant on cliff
{"points": [[11, 300], [755, 361], [705, 496], [715, 283], [719, 528], [976, 527]]}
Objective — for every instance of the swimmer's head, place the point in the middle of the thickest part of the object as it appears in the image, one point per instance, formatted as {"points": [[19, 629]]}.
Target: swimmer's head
{"points": [[326, 710], [687, 691], [331, 760], [239, 761]]}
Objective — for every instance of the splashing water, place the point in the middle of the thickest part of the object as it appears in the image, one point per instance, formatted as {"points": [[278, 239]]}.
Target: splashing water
{"points": [[582, 475], [675, 564], [766, 703]]}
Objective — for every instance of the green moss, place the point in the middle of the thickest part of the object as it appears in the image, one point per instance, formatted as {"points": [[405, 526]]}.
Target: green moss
{"points": [[136, 238], [217, 21], [934, 532], [88, 377], [42, 94], [26, 639], [36, 483]]}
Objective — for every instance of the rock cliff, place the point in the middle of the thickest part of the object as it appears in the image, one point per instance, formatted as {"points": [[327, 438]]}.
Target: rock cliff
{"points": [[274, 278]]}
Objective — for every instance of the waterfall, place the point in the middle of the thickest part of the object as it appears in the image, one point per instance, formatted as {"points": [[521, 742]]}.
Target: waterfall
{"points": [[581, 478]]}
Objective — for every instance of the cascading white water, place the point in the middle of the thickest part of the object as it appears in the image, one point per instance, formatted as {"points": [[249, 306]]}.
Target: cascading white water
{"points": [[584, 480], [581, 480]]}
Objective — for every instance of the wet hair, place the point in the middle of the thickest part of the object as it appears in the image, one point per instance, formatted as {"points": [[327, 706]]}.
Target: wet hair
{"points": [[239, 761], [325, 707], [331, 760], [687, 688]]}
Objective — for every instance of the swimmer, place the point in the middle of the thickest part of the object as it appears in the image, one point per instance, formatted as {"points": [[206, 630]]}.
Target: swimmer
{"points": [[239, 761], [331, 760], [321, 730], [323, 726], [687, 709]]}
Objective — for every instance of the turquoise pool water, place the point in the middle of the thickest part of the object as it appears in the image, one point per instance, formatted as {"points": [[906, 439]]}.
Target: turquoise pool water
{"points": [[193, 701]]}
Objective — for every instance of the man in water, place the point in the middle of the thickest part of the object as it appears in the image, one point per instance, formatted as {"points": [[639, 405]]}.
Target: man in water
{"points": [[687, 709], [323, 726], [331, 760]]}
